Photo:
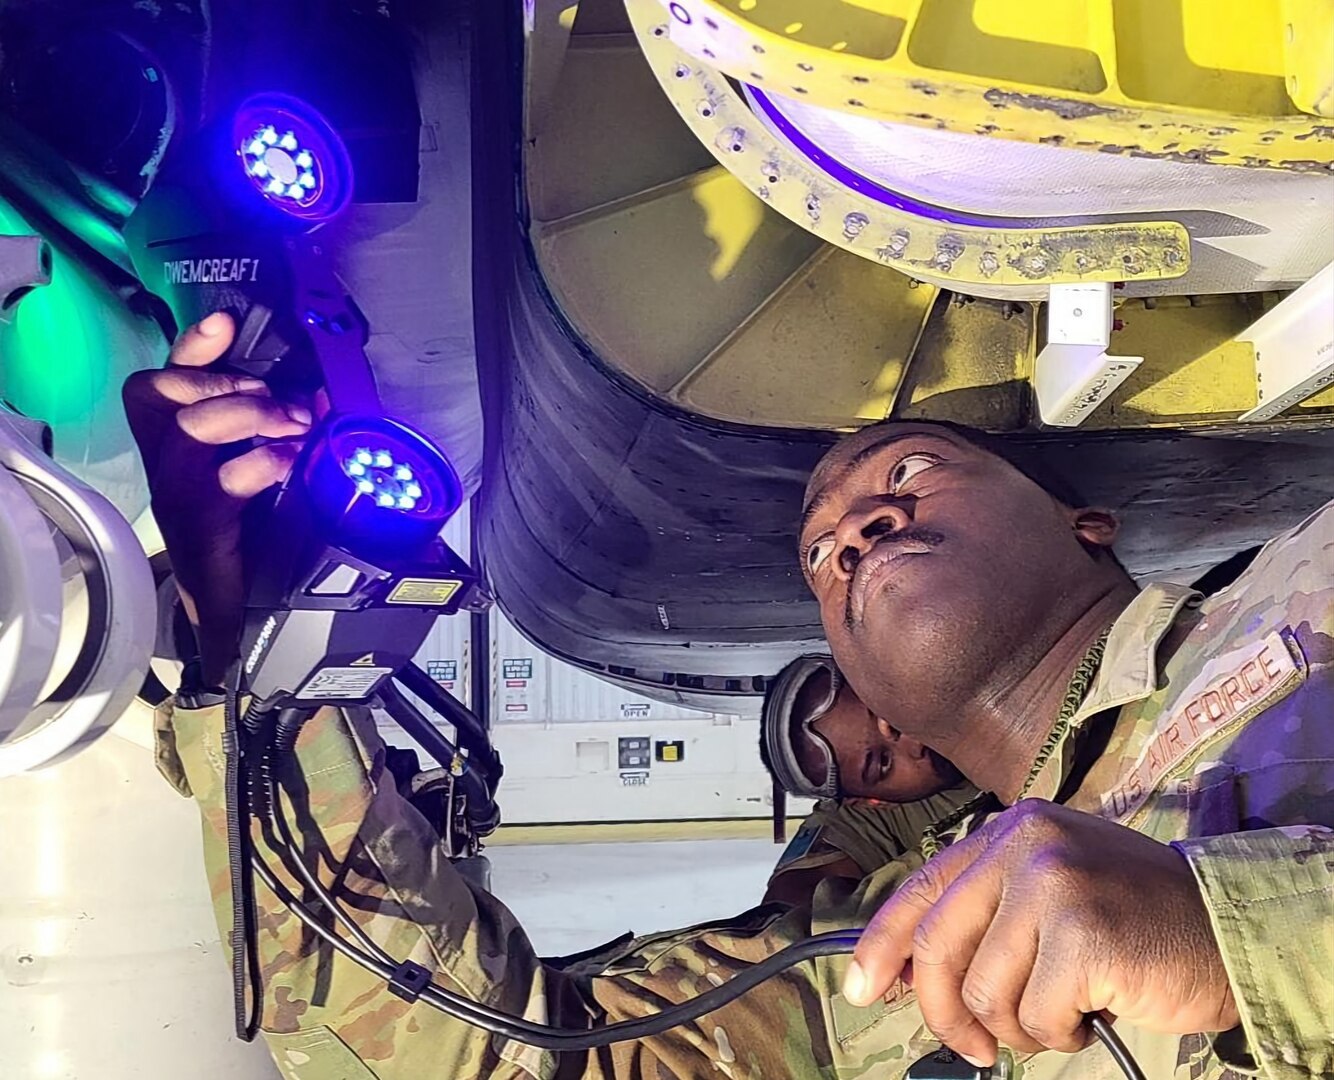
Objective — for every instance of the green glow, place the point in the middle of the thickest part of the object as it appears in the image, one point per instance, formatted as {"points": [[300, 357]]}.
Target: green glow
{"points": [[98, 233], [116, 203], [54, 355], [63, 359]]}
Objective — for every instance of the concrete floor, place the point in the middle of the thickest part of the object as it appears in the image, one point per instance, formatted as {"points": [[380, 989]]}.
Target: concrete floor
{"points": [[571, 897]]}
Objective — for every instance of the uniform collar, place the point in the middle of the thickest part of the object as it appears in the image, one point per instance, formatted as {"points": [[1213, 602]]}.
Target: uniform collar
{"points": [[1128, 672]]}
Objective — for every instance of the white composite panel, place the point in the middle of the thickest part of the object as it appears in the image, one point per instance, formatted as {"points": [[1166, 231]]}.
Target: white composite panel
{"points": [[574, 771]]}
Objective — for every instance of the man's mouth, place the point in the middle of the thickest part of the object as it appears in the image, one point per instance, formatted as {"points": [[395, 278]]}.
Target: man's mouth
{"points": [[880, 562]]}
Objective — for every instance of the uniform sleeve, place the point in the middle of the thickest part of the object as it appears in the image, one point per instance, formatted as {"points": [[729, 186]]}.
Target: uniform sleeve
{"points": [[797, 875], [1270, 887], [323, 1015], [1270, 895], [326, 1018]]}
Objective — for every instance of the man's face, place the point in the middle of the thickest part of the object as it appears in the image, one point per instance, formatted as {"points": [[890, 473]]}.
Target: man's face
{"points": [[937, 564], [874, 760]]}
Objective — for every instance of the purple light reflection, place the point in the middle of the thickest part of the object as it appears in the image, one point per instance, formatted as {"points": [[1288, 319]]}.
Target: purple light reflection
{"points": [[864, 185]]}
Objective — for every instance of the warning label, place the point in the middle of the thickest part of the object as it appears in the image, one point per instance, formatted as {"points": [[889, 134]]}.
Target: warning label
{"points": [[342, 683], [427, 592], [516, 671], [445, 672]]}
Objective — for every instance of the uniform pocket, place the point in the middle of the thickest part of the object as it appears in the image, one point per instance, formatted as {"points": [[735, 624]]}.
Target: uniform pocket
{"points": [[315, 1054], [1203, 804]]}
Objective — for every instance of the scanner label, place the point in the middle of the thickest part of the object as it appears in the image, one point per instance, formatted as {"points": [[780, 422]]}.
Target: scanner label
{"points": [[209, 271], [343, 683]]}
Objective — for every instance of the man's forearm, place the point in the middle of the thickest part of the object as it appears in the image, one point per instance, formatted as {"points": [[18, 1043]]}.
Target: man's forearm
{"points": [[387, 869]]}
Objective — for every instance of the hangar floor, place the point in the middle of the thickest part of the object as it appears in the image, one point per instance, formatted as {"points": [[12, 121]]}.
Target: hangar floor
{"points": [[572, 897]]}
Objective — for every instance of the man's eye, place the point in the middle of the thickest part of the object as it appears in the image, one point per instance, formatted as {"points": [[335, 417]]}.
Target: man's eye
{"points": [[818, 553], [909, 467]]}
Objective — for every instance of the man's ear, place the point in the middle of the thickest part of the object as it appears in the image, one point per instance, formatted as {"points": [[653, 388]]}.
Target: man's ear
{"points": [[1095, 528]]}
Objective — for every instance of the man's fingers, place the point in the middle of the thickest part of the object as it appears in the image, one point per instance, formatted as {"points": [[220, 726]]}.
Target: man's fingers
{"points": [[1000, 971], [151, 397], [886, 943], [1052, 1009], [943, 948], [261, 468], [183, 386], [204, 342], [233, 417]]}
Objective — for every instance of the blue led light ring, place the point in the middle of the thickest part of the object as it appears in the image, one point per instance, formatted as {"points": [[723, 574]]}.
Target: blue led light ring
{"points": [[293, 157], [394, 484], [378, 482], [282, 166]]}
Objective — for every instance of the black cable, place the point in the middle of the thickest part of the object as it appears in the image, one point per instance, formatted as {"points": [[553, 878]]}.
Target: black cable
{"points": [[311, 876], [421, 730], [465, 1009], [237, 803], [288, 727], [1102, 1027], [376, 960], [472, 734], [481, 810], [547, 1037]]}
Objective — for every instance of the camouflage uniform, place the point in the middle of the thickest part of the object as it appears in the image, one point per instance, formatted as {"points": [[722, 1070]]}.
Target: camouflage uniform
{"points": [[1225, 736], [867, 831]]}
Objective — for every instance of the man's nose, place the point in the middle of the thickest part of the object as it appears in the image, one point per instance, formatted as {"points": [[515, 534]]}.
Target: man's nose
{"points": [[865, 523]]}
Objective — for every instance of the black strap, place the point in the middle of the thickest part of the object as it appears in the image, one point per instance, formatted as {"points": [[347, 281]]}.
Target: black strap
{"points": [[1219, 577], [237, 802]]}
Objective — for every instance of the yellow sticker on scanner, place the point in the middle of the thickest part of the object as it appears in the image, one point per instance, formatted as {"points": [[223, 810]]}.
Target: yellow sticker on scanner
{"points": [[427, 592]]}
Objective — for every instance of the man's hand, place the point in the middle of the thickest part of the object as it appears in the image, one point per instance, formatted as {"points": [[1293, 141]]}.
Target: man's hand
{"points": [[1043, 916], [180, 417]]}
